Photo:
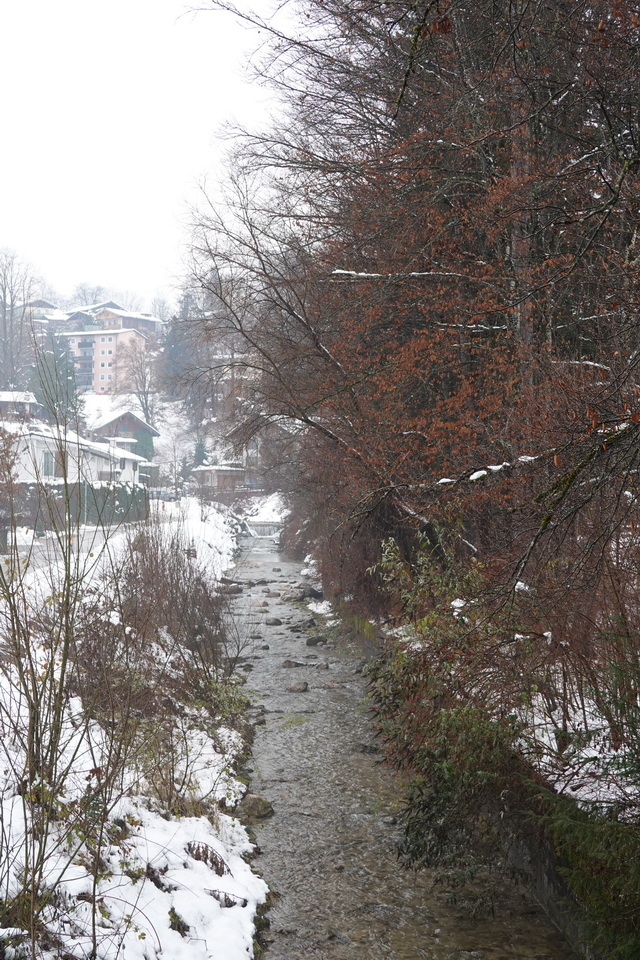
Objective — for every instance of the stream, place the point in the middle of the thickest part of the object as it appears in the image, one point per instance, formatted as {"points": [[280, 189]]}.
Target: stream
{"points": [[328, 853]]}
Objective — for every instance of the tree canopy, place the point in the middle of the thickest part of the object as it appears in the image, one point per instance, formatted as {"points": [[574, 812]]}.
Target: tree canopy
{"points": [[430, 262]]}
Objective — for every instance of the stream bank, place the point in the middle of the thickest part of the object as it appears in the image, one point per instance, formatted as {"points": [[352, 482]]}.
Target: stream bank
{"points": [[328, 853]]}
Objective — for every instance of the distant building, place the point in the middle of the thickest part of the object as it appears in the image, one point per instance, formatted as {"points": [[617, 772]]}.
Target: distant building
{"points": [[93, 309], [45, 454], [95, 355], [219, 480], [127, 429], [82, 317], [39, 307], [18, 404], [111, 318]]}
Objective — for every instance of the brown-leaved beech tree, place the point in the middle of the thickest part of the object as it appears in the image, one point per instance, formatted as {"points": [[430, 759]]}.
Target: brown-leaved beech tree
{"points": [[428, 267], [427, 270]]}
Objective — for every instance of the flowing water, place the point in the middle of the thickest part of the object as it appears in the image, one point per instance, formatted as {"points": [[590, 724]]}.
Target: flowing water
{"points": [[328, 854]]}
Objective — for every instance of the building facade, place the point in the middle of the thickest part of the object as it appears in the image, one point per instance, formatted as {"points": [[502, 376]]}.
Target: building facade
{"points": [[96, 354]]}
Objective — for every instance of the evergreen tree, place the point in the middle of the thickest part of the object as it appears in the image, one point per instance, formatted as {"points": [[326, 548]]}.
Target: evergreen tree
{"points": [[53, 382], [199, 453]]}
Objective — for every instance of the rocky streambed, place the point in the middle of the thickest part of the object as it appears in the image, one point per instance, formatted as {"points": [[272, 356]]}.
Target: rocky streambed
{"points": [[327, 837]]}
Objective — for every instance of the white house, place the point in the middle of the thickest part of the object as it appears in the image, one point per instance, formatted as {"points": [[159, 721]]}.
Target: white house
{"points": [[45, 454]]}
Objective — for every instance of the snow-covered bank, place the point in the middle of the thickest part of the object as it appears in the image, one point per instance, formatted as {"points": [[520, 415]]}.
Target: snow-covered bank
{"points": [[115, 840], [270, 509]]}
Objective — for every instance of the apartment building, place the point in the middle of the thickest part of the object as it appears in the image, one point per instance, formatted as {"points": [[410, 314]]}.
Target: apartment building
{"points": [[96, 354]]}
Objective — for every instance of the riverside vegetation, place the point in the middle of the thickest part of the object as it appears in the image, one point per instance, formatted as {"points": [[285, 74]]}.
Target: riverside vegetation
{"points": [[492, 733], [118, 703]]}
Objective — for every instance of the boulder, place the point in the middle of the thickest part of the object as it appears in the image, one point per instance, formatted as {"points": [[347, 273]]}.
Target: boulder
{"points": [[229, 589], [254, 807]]}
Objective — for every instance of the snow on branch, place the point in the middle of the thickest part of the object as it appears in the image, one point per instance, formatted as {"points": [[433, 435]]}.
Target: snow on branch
{"points": [[414, 275]]}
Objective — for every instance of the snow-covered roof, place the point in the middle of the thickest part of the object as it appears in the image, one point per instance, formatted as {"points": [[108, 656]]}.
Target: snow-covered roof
{"points": [[122, 441], [106, 420], [100, 331], [220, 468], [80, 333], [131, 314], [94, 307], [68, 438], [101, 409], [17, 396], [115, 452]]}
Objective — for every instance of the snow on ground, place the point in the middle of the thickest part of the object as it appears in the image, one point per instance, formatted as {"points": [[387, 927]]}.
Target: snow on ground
{"points": [[568, 742], [588, 766], [321, 607], [177, 440], [157, 885], [270, 509], [210, 528], [310, 568]]}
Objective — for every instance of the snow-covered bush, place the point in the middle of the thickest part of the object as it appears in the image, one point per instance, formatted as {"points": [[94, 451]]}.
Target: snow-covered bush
{"points": [[116, 700]]}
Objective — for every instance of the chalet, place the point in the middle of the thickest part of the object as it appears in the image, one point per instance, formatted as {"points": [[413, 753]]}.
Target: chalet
{"points": [[125, 428], [116, 319], [221, 479], [84, 317], [92, 309], [17, 404]]}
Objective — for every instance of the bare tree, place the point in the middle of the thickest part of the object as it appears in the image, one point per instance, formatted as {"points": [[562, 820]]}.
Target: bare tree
{"points": [[18, 285], [162, 309], [85, 294], [128, 299], [136, 374]]}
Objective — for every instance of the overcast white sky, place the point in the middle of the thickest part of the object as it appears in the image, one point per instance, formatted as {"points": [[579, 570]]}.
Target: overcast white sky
{"points": [[110, 111]]}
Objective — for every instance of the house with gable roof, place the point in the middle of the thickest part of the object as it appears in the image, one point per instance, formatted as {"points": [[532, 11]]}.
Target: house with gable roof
{"points": [[56, 474], [111, 318], [125, 427]]}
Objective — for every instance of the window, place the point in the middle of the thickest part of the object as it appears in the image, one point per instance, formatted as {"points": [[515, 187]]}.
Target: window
{"points": [[48, 464], [109, 339], [110, 364], [102, 376], [103, 363], [102, 353], [103, 339], [109, 377], [109, 351]]}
